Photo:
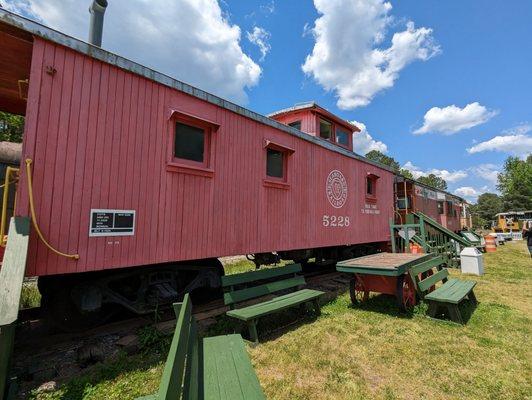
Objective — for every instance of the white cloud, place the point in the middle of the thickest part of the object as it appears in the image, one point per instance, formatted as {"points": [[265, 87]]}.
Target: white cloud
{"points": [[452, 119], [449, 176], [268, 8], [363, 142], [514, 141], [487, 172], [188, 39], [468, 193], [345, 58], [260, 38]]}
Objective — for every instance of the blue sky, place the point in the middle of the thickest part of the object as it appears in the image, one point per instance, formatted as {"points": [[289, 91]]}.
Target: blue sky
{"points": [[486, 57], [470, 59]]}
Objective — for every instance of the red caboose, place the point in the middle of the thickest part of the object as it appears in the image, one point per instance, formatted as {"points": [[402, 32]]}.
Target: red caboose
{"points": [[148, 180], [441, 206]]}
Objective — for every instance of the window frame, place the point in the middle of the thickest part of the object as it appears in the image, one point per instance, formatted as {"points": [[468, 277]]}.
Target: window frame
{"points": [[176, 164], [335, 126], [297, 121], [442, 202], [370, 177], [341, 128], [331, 138], [272, 181]]}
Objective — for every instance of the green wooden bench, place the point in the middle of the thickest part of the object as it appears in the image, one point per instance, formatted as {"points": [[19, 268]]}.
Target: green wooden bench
{"points": [[245, 286], [447, 296], [211, 368]]}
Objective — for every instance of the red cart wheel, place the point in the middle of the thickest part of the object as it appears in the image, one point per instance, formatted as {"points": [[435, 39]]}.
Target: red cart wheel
{"points": [[357, 290], [406, 293]]}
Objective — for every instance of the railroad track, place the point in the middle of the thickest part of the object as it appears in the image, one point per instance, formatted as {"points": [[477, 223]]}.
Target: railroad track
{"points": [[41, 356]]}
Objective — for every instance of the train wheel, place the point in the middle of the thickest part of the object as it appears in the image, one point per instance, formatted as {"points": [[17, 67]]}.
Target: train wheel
{"points": [[62, 313], [357, 291], [406, 293]]}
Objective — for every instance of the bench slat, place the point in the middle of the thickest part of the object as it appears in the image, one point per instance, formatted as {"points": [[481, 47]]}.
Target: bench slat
{"points": [[453, 291], [192, 373], [172, 379], [274, 305], [425, 266], [247, 277], [426, 283], [228, 372], [238, 296]]}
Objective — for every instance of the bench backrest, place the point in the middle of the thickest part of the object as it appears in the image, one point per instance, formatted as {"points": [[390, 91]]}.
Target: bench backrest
{"points": [[181, 371], [427, 273], [235, 294]]}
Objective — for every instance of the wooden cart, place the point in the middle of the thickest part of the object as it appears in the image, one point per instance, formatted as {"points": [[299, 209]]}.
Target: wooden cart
{"points": [[383, 273]]}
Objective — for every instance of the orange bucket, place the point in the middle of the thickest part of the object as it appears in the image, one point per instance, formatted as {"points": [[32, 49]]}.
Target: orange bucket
{"points": [[490, 244], [416, 248]]}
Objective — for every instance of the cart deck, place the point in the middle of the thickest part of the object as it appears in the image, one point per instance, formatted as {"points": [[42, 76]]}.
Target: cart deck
{"points": [[390, 264], [385, 273]]}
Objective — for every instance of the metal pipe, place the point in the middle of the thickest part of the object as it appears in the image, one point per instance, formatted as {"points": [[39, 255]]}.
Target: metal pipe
{"points": [[97, 11]]}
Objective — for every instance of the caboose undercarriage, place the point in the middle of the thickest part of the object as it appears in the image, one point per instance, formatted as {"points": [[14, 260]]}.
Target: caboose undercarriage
{"points": [[79, 301]]}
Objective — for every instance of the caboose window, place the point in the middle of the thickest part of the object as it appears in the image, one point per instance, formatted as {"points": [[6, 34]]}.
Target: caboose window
{"points": [[440, 207], [370, 188], [325, 129], [274, 163], [189, 142], [342, 137], [295, 124]]}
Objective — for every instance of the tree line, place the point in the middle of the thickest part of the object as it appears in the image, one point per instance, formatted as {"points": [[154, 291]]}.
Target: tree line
{"points": [[11, 127], [514, 184]]}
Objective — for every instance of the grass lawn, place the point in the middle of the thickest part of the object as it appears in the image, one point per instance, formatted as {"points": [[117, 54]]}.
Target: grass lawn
{"points": [[374, 351]]}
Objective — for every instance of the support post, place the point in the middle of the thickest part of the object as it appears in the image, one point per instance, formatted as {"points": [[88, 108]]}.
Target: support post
{"points": [[422, 233], [11, 278], [252, 325], [392, 235]]}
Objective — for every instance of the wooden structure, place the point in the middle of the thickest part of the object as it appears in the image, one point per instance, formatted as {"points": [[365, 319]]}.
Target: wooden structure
{"points": [[433, 238], [11, 278], [448, 296], [385, 273], [317, 121], [134, 173], [443, 207], [251, 285], [101, 131], [205, 368]]}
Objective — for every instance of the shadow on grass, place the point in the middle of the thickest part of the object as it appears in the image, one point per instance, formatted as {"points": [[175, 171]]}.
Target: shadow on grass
{"points": [[385, 304], [269, 327], [100, 377]]}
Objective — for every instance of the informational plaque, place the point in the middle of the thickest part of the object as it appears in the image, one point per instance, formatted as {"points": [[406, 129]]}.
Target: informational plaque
{"points": [[112, 223]]}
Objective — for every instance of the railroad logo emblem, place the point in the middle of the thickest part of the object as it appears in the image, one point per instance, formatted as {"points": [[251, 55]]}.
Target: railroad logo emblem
{"points": [[336, 189]]}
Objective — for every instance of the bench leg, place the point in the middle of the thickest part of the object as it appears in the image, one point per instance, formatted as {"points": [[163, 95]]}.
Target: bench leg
{"points": [[454, 313], [432, 310], [472, 298], [252, 325], [317, 308]]}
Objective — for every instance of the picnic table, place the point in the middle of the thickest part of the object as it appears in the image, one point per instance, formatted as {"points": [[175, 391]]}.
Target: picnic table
{"points": [[385, 273]]}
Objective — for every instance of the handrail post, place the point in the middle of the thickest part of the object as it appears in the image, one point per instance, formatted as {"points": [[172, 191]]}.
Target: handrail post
{"points": [[422, 233], [407, 241], [392, 235]]}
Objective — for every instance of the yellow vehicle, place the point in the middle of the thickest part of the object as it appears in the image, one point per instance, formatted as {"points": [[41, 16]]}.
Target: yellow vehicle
{"points": [[511, 221]]}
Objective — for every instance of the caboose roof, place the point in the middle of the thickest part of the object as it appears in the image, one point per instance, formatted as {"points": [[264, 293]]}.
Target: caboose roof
{"points": [[20, 26], [313, 106]]}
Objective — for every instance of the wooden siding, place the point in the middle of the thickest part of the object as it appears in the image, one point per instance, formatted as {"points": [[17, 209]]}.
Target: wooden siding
{"points": [[98, 136]]}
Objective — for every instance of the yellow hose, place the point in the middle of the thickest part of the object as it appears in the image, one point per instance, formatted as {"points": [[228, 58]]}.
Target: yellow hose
{"points": [[34, 218]]}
